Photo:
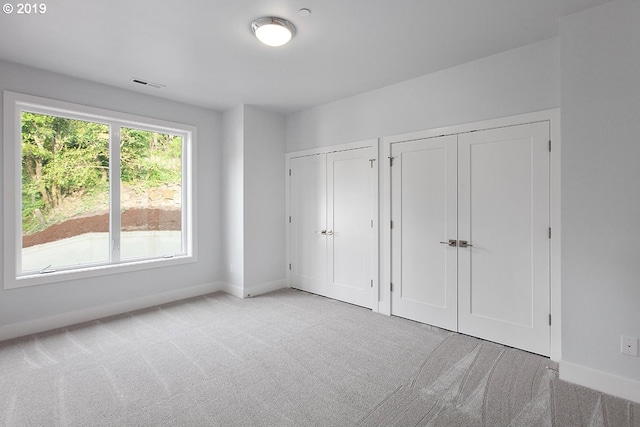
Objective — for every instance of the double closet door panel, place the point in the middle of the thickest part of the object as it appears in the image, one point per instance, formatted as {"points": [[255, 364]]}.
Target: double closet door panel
{"points": [[307, 194], [503, 193], [491, 189], [424, 214], [331, 205], [350, 203]]}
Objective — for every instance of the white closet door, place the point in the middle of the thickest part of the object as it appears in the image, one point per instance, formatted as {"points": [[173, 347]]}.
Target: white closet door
{"points": [[503, 201], [308, 194], [350, 238], [423, 211]]}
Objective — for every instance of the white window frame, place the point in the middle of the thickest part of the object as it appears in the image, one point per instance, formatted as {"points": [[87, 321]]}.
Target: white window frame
{"points": [[14, 104]]}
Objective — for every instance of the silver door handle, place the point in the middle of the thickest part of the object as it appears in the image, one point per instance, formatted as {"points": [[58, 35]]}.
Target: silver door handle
{"points": [[451, 242], [329, 233], [464, 244]]}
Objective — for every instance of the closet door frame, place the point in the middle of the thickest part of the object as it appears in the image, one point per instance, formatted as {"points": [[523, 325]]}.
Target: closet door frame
{"points": [[553, 117], [375, 210]]}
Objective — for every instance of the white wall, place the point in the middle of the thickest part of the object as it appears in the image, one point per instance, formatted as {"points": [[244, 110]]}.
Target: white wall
{"points": [[518, 81], [233, 197], [48, 305], [264, 200], [254, 205], [601, 195]]}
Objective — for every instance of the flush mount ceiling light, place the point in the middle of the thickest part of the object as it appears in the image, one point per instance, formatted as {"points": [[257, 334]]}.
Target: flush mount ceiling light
{"points": [[273, 31]]}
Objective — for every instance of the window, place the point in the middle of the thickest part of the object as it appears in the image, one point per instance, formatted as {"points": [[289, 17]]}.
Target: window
{"points": [[91, 191]]}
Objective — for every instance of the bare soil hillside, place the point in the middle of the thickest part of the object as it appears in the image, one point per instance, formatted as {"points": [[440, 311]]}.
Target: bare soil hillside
{"points": [[155, 209]]}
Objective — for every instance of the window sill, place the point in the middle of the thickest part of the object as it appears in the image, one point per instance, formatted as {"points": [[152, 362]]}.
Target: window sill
{"points": [[94, 271]]}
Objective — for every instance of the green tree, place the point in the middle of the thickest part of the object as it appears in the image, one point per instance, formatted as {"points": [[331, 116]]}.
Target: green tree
{"points": [[149, 158], [63, 157], [60, 157]]}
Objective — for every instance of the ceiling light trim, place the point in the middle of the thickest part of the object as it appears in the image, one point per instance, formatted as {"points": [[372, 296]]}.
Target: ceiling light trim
{"points": [[273, 31]]}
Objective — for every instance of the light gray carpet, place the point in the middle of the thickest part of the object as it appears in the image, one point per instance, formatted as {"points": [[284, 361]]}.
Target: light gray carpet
{"points": [[284, 359]]}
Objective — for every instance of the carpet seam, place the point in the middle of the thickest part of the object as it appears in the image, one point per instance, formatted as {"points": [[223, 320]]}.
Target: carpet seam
{"points": [[415, 376], [532, 380], [466, 375], [425, 415], [552, 402], [380, 404], [484, 398], [408, 406]]}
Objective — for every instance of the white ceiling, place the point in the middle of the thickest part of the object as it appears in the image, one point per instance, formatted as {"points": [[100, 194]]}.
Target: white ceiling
{"points": [[206, 55]]}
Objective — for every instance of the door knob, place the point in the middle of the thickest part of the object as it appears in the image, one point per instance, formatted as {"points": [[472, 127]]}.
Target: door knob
{"points": [[451, 242], [464, 244]]}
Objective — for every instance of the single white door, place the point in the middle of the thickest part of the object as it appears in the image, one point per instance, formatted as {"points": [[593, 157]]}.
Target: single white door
{"points": [[351, 178], [423, 212], [307, 204], [503, 202]]}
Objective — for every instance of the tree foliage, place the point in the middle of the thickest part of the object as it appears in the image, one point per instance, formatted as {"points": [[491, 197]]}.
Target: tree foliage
{"points": [[63, 157], [150, 159]]}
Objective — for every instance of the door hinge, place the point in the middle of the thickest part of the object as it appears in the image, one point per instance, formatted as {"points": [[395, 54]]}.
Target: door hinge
{"points": [[289, 219], [549, 319], [391, 286], [371, 162], [289, 267], [390, 161], [372, 283], [549, 145], [289, 172], [549, 232], [391, 224], [371, 223]]}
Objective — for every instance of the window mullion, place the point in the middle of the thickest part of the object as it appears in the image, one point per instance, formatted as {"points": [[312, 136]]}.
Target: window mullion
{"points": [[114, 191]]}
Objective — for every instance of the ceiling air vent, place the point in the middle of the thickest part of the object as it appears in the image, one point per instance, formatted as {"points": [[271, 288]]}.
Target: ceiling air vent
{"points": [[146, 83]]}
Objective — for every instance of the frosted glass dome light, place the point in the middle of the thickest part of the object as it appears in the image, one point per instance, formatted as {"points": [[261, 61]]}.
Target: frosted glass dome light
{"points": [[273, 31]]}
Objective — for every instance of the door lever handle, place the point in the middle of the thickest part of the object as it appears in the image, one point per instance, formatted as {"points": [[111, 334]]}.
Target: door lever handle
{"points": [[464, 244], [329, 233], [451, 242]]}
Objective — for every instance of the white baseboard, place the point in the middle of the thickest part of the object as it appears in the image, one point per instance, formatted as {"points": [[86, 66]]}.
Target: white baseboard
{"points": [[88, 314], [262, 288], [62, 320], [602, 381]]}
